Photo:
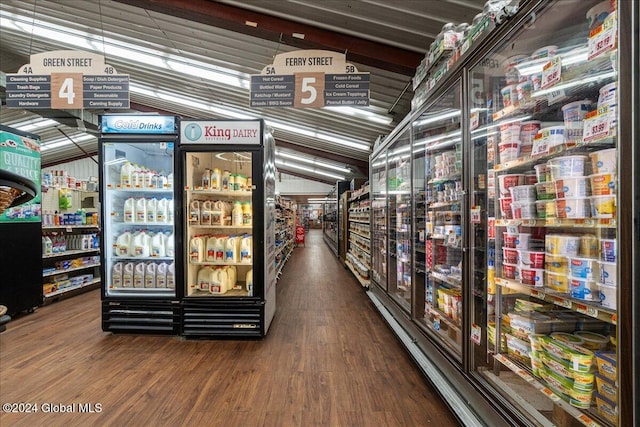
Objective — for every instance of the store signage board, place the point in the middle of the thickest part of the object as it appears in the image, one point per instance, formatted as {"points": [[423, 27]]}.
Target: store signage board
{"points": [[138, 124], [220, 132], [310, 79], [67, 79]]}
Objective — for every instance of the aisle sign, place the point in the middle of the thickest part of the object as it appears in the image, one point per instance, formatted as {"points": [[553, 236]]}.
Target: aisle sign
{"points": [[67, 79], [310, 79]]}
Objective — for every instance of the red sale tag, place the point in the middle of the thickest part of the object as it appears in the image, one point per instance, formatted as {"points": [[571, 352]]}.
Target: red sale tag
{"points": [[603, 39], [551, 72]]}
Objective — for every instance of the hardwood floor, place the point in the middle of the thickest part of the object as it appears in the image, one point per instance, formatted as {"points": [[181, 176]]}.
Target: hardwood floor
{"points": [[329, 360]]}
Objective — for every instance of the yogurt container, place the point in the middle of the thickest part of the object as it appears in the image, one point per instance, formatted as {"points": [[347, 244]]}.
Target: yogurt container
{"points": [[574, 114], [603, 184], [508, 151], [510, 271], [523, 91], [510, 240], [509, 95], [557, 264], [608, 296], [552, 135], [523, 193], [584, 289], [532, 277], [510, 132], [574, 208], [567, 167], [604, 161], [608, 273], [562, 244], [528, 131], [523, 210], [505, 207], [608, 250], [557, 282], [522, 241], [505, 182], [531, 259], [544, 52], [572, 187], [541, 209], [592, 340], [603, 206], [510, 256], [584, 268], [598, 13], [543, 172]]}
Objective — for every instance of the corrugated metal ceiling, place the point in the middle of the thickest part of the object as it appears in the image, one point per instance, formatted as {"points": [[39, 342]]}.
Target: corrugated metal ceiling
{"points": [[194, 30]]}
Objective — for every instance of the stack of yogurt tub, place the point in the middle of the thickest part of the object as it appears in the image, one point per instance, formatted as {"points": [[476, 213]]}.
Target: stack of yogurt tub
{"points": [[523, 258], [572, 186]]}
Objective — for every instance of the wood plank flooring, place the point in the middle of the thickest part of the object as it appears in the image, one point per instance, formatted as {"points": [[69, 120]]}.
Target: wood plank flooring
{"points": [[329, 360]]}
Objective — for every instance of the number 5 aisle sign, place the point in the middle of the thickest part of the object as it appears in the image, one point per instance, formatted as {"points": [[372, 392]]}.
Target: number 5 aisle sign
{"points": [[67, 79], [310, 79]]}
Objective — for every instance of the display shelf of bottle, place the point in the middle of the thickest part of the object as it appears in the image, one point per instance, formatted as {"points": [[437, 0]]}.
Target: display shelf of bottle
{"points": [[366, 236], [70, 227], [68, 270], [220, 263], [282, 247], [536, 383], [70, 252], [448, 279], [359, 221], [144, 258], [448, 320], [196, 190], [283, 261], [359, 194], [132, 189], [360, 247], [588, 308], [359, 259], [443, 179], [247, 227], [363, 282], [559, 222], [71, 288]]}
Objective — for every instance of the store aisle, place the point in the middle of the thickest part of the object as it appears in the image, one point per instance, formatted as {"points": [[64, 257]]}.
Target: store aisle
{"points": [[329, 360]]}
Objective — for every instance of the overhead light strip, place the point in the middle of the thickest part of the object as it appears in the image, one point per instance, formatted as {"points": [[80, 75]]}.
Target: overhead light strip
{"points": [[287, 164], [312, 162]]}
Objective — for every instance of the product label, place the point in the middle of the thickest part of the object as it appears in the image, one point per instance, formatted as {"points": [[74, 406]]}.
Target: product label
{"points": [[603, 39], [551, 72], [597, 125]]}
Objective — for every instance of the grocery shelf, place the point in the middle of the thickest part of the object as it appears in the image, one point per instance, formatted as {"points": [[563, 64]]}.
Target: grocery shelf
{"points": [[70, 252], [450, 280], [68, 270], [364, 282], [360, 234], [143, 258], [131, 189], [248, 227], [218, 192], [71, 227], [559, 222], [71, 288], [446, 319], [360, 221]]}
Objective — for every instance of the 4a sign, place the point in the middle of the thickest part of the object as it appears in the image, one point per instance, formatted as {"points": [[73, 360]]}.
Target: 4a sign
{"points": [[310, 79]]}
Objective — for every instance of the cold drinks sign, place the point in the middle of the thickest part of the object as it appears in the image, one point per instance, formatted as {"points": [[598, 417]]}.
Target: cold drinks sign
{"points": [[310, 79], [67, 79]]}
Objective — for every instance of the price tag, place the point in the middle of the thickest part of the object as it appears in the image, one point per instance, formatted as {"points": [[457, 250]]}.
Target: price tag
{"points": [[587, 421], [551, 72], [537, 294], [597, 126], [451, 241], [475, 120], [585, 309], [556, 96], [476, 334], [562, 302], [476, 217], [614, 319], [465, 46], [603, 39], [540, 145], [512, 229]]}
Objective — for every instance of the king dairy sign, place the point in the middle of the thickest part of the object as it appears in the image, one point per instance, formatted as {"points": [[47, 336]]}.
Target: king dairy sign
{"points": [[220, 132], [310, 79]]}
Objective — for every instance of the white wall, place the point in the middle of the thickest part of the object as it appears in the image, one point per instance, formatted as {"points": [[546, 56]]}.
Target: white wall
{"points": [[292, 185]]}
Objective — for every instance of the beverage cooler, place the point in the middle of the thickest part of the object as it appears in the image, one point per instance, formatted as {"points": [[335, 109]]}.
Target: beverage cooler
{"points": [[519, 175], [228, 249], [137, 158]]}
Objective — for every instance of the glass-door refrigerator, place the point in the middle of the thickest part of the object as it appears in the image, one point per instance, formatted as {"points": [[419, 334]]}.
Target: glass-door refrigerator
{"points": [[228, 198], [137, 158]]}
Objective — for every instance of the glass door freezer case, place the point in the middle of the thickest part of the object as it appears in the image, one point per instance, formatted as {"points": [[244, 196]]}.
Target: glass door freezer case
{"points": [[137, 158], [228, 184]]}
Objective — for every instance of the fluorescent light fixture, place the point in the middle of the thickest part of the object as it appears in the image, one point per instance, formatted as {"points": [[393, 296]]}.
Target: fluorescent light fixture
{"points": [[318, 135], [286, 164], [61, 142], [34, 124], [437, 118], [503, 122], [367, 114], [583, 81], [312, 162], [535, 66], [426, 141]]}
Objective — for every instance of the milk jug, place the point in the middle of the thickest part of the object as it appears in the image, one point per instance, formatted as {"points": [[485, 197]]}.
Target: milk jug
{"points": [[236, 214], [123, 244], [217, 286], [232, 277], [170, 180], [152, 210], [116, 275], [161, 211], [170, 211], [171, 276], [129, 210], [127, 275], [204, 278], [194, 212], [161, 275], [220, 247], [232, 253], [246, 248], [169, 249], [125, 174], [158, 245], [150, 275], [211, 248], [141, 244], [138, 275], [196, 249], [205, 212], [206, 179], [148, 179], [249, 282], [217, 213], [141, 210], [136, 176]]}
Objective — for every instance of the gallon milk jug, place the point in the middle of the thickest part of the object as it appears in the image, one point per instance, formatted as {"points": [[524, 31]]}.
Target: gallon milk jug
{"points": [[136, 179], [246, 249], [123, 244], [232, 249], [217, 287], [171, 276], [169, 249], [205, 212], [247, 214], [138, 275], [206, 179], [196, 249], [194, 212], [147, 178], [141, 244], [220, 247], [125, 174], [150, 275], [158, 245], [141, 210], [170, 180], [204, 279], [161, 211], [249, 282], [152, 210], [232, 276], [211, 249], [170, 211], [161, 275], [130, 210], [116, 275], [217, 213], [127, 275], [236, 214]]}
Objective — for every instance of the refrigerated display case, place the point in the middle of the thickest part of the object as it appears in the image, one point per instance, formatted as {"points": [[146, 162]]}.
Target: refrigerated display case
{"points": [[379, 221], [229, 208], [138, 256]]}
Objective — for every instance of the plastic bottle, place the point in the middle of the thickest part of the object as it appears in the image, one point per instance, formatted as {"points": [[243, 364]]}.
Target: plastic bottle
{"points": [[247, 214], [152, 210], [491, 278], [123, 243], [232, 249], [216, 179], [48, 243], [161, 275], [205, 212], [236, 214], [232, 182], [249, 282], [246, 249], [211, 249], [136, 180], [225, 180], [150, 275], [138, 275], [161, 211], [170, 211], [130, 210], [147, 178], [141, 210], [194, 212], [158, 245], [196, 249], [206, 179], [232, 276], [116, 275], [204, 279], [171, 276], [125, 174], [127, 275], [162, 181], [141, 244], [155, 180], [169, 246], [170, 180], [220, 247]]}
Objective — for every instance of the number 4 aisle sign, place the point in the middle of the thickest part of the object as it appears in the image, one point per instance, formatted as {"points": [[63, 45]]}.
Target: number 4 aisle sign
{"points": [[310, 79], [67, 79]]}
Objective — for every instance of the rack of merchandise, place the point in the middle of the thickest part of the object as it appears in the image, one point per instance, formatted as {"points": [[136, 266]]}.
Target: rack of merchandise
{"points": [[70, 242], [285, 232], [330, 221], [358, 258]]}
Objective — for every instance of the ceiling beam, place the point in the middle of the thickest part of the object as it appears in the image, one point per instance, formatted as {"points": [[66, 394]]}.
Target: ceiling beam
{"points": [[281, 30]]}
